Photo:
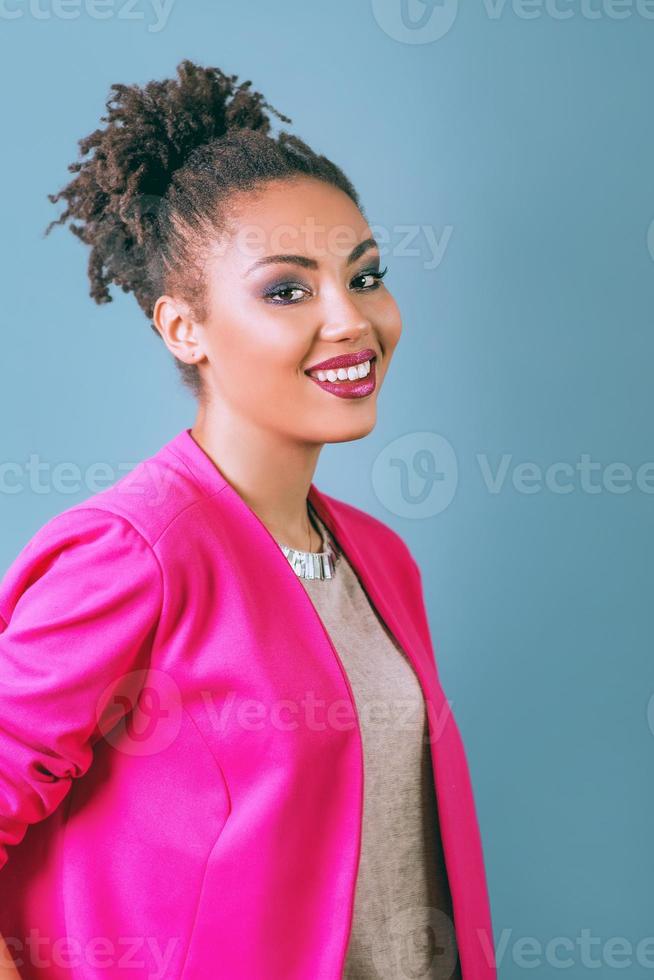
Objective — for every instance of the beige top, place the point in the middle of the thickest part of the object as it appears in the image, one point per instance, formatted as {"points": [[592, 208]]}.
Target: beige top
{"points": [[402, 924]]}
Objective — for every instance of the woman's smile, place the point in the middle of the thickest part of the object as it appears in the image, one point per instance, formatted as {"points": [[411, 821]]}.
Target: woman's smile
{"points": [[334, 332], [348, 375]]}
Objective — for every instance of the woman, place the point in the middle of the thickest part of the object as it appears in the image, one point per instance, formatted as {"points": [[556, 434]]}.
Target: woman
{"points": [[192, 783]]}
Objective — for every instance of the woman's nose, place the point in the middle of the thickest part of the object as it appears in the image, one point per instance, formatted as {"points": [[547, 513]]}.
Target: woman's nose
{"points": [[343, 319], [354, 331]]}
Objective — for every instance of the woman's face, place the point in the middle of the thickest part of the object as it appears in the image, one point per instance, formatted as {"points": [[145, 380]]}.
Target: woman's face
{"points": [[271, 319]]}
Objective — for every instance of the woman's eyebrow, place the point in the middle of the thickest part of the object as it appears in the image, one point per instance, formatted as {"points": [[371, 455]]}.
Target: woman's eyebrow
{"points": [[308, 263]]}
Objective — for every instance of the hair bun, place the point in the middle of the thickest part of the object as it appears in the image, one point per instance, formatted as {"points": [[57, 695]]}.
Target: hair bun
{"points": [[128, 165], [153, 184], [156, 128]]}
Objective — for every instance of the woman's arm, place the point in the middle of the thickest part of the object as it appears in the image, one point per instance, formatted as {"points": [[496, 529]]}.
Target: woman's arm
{"points": [[80, 606], [8, 969]]}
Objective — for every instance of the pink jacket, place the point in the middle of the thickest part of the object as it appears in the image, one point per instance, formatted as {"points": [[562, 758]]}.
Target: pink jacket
{"points": [[181, 768]]}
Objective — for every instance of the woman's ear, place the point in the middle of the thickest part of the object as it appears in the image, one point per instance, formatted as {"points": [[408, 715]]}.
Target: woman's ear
{"points": [[181, 334]]}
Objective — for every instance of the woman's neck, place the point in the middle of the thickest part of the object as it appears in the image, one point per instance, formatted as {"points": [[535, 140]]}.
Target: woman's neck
{"points": [[270, 472]]}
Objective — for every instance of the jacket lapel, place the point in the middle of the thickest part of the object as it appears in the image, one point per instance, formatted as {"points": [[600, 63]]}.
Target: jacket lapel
{"points": [[381, 566], [383, 575]]}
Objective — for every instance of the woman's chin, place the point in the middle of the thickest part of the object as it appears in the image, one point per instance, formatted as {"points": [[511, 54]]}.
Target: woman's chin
{"points": [[346, 430]]}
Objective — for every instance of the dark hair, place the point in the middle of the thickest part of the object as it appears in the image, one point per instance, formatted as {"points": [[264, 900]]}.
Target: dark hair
{"points": [[159, 181]]}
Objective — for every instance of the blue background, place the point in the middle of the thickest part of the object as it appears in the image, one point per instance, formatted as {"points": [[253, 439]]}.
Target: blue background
{"points": [[531, 140]]}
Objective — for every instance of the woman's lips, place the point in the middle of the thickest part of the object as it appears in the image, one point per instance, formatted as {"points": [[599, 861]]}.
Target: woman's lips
{"points": [[358, 388]]}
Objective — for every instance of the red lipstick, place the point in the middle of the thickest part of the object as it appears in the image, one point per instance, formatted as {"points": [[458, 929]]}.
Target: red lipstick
{"points": [[358, 387], [343, 360]]}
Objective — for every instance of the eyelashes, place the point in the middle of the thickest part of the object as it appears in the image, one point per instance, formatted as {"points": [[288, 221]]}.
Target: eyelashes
{"points": [[376, 274], [288, 287]]}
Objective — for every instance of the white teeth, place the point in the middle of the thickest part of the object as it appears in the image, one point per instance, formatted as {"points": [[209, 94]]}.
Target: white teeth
{"points": [[352, 373]]}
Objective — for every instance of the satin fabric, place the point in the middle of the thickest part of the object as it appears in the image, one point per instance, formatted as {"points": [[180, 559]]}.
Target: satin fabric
{"points": [[181, 769]]}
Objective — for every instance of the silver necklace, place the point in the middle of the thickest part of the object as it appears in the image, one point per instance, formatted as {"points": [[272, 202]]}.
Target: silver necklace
{"points": [[312, 564]]}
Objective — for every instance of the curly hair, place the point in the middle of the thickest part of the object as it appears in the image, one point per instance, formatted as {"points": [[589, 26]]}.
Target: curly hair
{"points": [[158, 179]]}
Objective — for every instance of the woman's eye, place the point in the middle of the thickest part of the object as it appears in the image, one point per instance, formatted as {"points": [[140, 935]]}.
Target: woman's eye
{"points": [[373, 274], [281, 295], [280, 291]]}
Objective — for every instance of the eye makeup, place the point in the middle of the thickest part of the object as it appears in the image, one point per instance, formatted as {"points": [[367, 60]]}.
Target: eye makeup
{"points": [[285, 286]]}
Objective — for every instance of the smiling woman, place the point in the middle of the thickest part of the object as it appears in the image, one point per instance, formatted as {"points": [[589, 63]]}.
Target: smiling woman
{"points": [[139, 630], [267, 318]]}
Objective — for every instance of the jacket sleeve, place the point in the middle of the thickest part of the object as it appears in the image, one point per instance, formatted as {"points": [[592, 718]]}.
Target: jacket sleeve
{"points": [[78, 611]]}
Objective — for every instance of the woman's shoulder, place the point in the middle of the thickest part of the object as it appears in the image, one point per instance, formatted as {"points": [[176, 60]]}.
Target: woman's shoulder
{"points": [[82, 555], [146, 499], [109, 538]]}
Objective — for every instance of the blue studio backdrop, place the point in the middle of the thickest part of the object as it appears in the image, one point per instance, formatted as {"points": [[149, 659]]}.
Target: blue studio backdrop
{"points": [[504, 151]]}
